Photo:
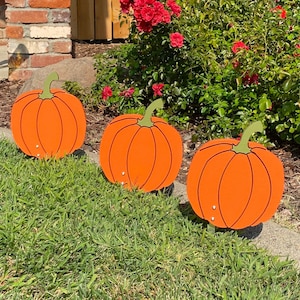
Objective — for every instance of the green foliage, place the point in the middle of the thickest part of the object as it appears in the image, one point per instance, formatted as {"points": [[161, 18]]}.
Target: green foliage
{"points": [[66, 233], [205, 81], [77, 90], [112, 70]]}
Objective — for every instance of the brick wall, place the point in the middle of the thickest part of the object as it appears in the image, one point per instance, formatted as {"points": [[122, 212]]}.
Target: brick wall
{"points": [[36, 33]]}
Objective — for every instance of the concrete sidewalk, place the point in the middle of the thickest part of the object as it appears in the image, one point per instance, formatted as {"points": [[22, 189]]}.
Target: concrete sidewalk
{"points": [[276, 239]]}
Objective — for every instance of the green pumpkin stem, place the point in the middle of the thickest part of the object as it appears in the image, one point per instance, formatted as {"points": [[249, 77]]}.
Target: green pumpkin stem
{"points": [[146, 120], [242, 146], [46, 94]]}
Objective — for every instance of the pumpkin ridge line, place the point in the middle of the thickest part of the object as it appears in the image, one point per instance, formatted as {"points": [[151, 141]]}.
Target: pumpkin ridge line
{"points": [[122, 119], [37, 127], [61, 123], [19, 99], [270, 185], [110, 149], [154, 161], [160, 122], [200, 177], [20, 123], [171, 155], [217, 145], [127, 157], [159, 186], [219, 187], [250, 194], [74, 118]]}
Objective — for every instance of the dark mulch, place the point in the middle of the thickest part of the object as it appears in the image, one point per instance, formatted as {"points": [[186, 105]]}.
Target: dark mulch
{"points": [[289, 210]]}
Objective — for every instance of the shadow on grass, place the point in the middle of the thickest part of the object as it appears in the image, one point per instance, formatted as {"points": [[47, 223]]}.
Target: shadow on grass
{"points": [[248, 233]]}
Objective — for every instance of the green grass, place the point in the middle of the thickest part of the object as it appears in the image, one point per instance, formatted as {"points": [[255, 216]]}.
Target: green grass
{"points": [[66, 233]]}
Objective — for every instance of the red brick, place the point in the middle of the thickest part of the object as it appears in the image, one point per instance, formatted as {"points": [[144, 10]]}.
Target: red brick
{"points": [[50, 3], [39, 61], [14, 32], [61, 16], [62, 46], [27, 16], [20, 74], [16, 3]]}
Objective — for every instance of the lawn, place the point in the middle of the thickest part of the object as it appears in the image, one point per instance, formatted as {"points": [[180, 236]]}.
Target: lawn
{"points": [[67, 233]]}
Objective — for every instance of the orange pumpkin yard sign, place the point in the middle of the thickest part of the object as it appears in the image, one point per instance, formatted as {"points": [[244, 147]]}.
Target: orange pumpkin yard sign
{"points": [[48, 123], [235, 184], [141, 152]]}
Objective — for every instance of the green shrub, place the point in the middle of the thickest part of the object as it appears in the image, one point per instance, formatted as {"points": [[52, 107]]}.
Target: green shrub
{"points": [[207, 81]]}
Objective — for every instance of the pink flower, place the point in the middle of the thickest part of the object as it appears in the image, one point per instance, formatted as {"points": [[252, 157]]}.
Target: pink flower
{"points": [[176, 40], [281, 10], [297, 46], [125, 6], [144, 26], [165, 17], [127, 93], [175, 8], [157, 89], [147, 13], [237, 46], [106, 92]]}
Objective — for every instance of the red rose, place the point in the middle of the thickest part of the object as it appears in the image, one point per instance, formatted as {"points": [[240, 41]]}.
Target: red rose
{"points": [[157, 89], [176, 40], [147, 13], [127, 93], [175, 8], [237, 46], [106, 92], [281, 10], [144, 26], [125, 6]]}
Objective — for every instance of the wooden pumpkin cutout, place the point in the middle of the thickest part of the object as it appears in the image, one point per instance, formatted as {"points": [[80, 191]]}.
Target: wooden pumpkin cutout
{"points": [[235, 184], [48, 123], [141, 152]]}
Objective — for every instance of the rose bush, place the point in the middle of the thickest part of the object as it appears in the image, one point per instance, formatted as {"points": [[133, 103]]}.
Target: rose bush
{"points": [[222, 64]]}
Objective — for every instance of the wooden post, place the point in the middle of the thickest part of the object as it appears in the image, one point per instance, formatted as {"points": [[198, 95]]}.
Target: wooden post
{"points": [[84, 22], [103, 16], [121, 23], [98, 20]]}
